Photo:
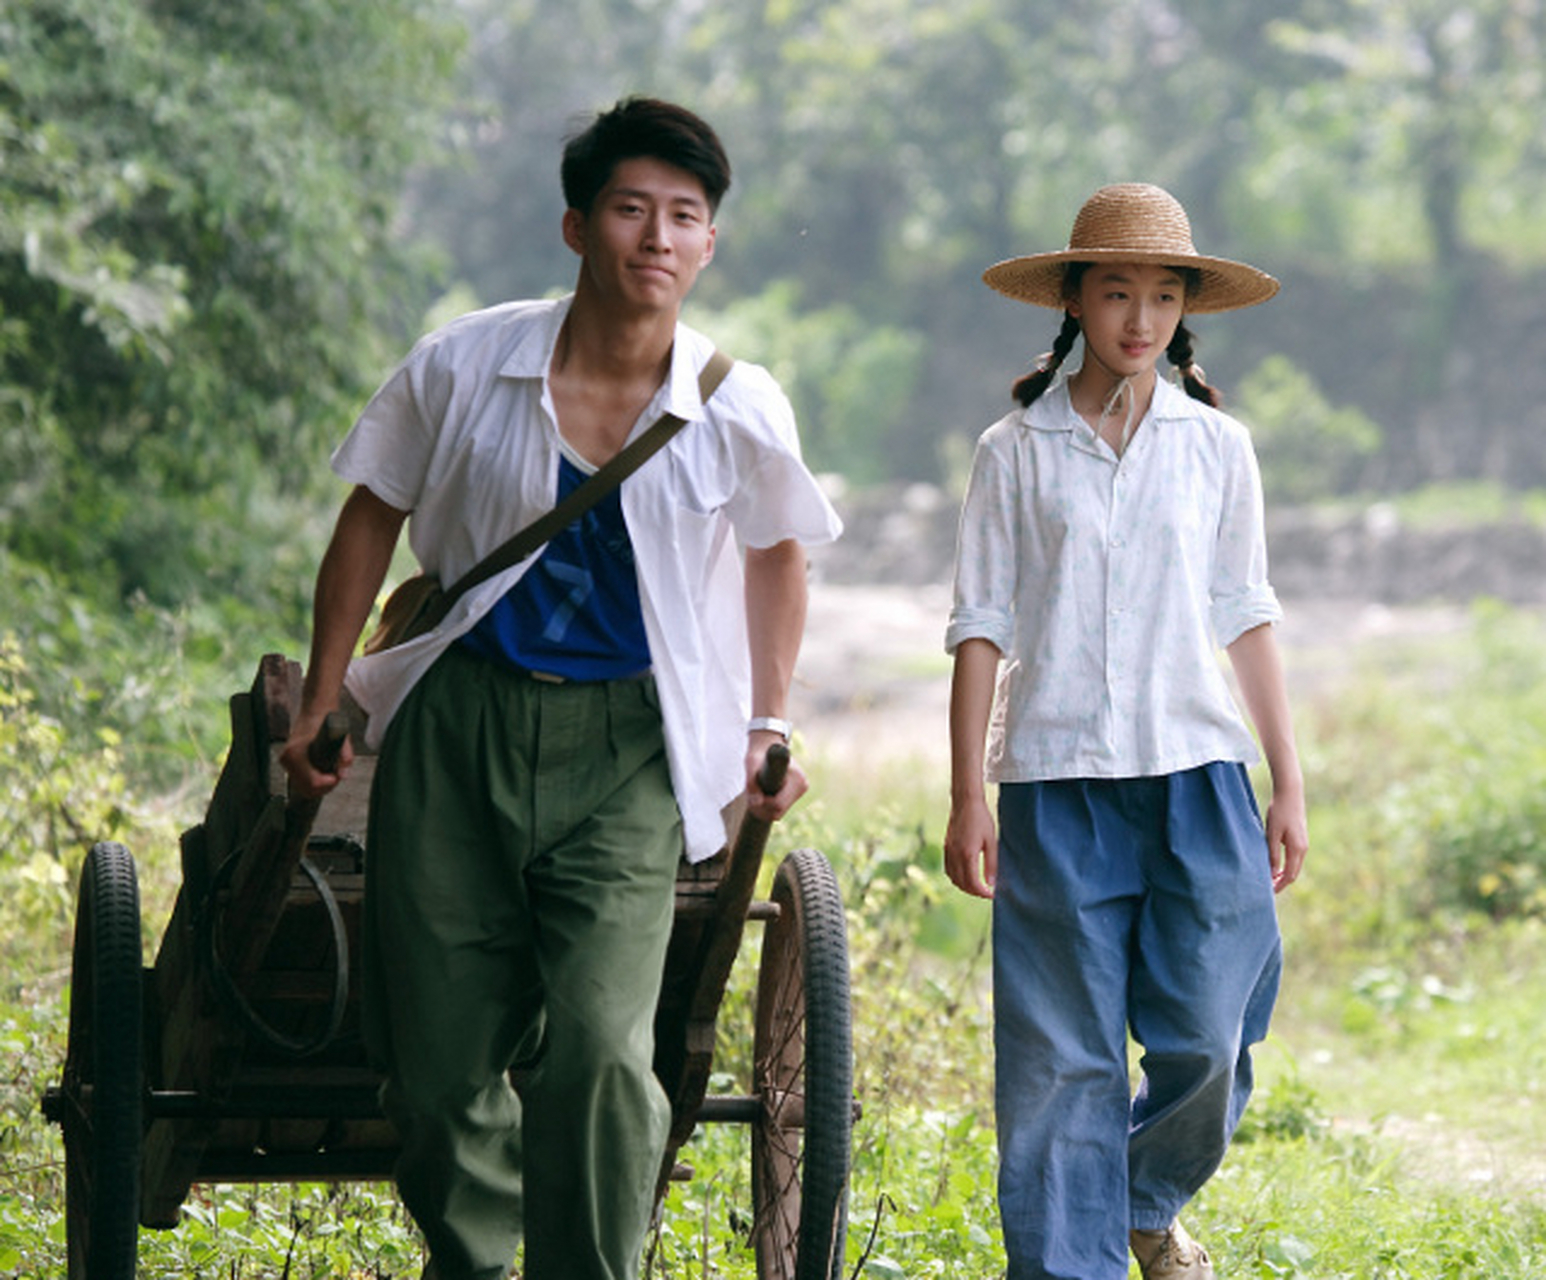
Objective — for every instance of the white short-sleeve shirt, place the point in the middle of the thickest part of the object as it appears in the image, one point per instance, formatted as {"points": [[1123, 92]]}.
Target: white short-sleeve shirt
{"points": [[1109, 585], [464, 436]]}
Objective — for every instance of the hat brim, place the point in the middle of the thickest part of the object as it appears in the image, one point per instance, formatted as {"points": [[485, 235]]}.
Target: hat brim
{"points": [[1224, 285]]}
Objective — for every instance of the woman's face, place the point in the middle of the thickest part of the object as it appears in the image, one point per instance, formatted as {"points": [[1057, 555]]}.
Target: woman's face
{"points": [[1129, 312]]}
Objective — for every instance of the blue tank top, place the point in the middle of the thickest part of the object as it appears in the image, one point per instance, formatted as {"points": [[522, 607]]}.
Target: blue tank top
{"points": [[575, 613]]}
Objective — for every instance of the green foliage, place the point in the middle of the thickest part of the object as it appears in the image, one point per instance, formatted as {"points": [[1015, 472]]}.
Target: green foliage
{"points": [[1288, 1109], [1346, 1210], [1459, 503], [1444, 809], [1484, 825], [1374, 1146], [848, 381], [201, 275], [197, 261], [1308, 450], [1385, 160], [1426, 113], [62, 793], [150, 675]]}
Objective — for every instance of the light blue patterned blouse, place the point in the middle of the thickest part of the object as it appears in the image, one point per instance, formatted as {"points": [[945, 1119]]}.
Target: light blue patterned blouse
{"points": [[1109, 585]]}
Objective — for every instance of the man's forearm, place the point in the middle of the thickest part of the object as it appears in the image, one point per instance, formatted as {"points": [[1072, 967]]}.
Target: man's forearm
{"points": [[353, 569], [776, 596]]}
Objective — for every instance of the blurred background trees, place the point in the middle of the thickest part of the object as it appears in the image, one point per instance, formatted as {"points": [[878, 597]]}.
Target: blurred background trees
{"points": [[199, 254], [219, 225], [1384, 159]]}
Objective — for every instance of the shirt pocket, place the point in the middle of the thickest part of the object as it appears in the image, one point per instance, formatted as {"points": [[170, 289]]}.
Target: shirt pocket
{"points": [[700, 477]]}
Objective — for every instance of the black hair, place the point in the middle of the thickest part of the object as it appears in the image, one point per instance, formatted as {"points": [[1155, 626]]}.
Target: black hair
{"points": [[645, 127], [1179, 353], [1028, 388]]}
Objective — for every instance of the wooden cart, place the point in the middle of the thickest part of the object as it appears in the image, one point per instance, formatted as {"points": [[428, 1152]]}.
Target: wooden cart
{"points": [[236, 1057]]}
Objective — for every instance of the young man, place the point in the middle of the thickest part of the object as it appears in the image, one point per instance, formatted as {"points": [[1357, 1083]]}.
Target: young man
{"points": [[549, 750]]}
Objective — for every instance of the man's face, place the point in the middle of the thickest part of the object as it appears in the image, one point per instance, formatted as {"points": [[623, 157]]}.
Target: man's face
{"points": [[646, 237]]}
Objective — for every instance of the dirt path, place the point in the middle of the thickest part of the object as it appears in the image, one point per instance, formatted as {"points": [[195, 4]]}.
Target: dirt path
{"points": [[873, 679]]}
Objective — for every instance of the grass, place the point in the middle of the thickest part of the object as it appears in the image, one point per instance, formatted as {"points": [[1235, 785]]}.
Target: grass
{"points": [[1398, 1127], [1461, 504]]}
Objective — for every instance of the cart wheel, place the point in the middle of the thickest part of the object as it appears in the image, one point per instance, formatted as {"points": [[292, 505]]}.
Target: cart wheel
{"points": [[803, 1075], [104, 1072]]}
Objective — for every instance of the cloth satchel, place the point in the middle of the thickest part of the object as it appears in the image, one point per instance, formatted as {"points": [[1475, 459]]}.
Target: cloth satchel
{"points": [[419, 604]]}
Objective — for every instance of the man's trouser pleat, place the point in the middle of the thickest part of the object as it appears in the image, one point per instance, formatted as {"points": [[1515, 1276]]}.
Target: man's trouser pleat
{"points": [[524, 840]]}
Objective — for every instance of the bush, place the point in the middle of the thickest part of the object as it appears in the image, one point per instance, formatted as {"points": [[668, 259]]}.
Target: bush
{"points": [[1308, 449], [62, 794], [1482, 816]]}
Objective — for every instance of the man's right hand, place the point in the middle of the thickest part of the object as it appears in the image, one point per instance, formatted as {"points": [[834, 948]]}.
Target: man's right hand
{"points": [[307, 782]]}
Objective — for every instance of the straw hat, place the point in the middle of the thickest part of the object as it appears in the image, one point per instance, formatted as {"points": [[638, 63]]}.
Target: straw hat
{"points": [[1132, 222]]}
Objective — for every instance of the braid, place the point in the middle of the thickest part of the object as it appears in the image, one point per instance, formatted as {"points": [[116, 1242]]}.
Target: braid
{"points": [[1179, 353], [1028, 388]]}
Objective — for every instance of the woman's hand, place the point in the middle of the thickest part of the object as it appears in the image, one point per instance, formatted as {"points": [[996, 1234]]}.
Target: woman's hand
{"points": [[1288, 836], [971, 847]]}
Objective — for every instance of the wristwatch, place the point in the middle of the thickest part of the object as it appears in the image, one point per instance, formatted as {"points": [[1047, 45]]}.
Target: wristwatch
{"points": [[773, 724]]}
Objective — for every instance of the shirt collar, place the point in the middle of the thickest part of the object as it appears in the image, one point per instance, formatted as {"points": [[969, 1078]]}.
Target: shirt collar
{"points": [[532, 357], [532, 354], [1053, 410], [1170, 401]]}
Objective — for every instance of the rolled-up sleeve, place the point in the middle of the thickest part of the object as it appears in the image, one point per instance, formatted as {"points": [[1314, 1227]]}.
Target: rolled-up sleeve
{"points": [[1240, 595], [987, 547]]}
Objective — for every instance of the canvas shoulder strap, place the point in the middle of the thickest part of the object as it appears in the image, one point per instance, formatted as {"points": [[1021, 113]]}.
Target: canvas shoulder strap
{"points": [[604, 481]]}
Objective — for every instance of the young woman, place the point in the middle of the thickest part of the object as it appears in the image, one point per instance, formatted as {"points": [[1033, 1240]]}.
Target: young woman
{"points": [[1110, 541]]}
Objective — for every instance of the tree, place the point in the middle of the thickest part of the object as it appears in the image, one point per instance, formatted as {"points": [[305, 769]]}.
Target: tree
{"points": [[198, 262], [1309, 450], [1412, 162]]}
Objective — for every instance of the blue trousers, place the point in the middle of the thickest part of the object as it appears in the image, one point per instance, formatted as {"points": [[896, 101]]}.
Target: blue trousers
{"points": [[1140, 904]]}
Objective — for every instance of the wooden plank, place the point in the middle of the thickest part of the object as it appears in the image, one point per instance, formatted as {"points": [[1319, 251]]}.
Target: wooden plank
{"points": [[189, 1037], [240, 793], [706, 968], [197, 1049]]}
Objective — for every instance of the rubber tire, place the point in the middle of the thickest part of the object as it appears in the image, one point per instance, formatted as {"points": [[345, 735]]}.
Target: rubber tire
{"points": [[803, 1046], [104, 1074]]}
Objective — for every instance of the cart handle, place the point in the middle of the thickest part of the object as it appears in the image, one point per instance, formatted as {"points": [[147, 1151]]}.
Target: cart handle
{"points": [[775, 767], [328, 745]]}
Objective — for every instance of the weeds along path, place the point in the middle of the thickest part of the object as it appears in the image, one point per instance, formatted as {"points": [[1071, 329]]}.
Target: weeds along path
{"points": [[871, 698]]}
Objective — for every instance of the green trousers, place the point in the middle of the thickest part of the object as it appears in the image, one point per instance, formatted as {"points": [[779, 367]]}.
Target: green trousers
{"points": [[523, 846]]}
